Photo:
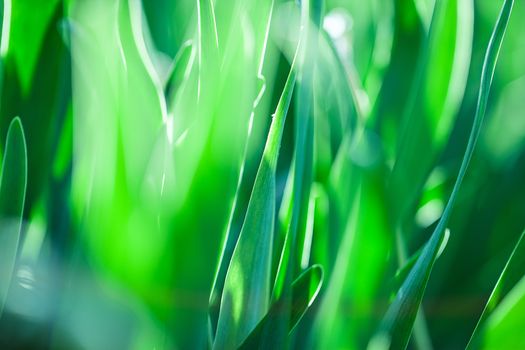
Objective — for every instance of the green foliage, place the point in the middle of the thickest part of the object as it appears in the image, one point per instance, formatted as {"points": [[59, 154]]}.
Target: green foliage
{"points": [[262, 174]]}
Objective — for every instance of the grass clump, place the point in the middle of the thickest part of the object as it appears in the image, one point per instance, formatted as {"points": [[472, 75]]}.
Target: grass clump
{"points": [[261, 174]]}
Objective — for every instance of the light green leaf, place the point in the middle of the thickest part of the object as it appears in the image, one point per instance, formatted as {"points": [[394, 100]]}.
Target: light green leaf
{"points": [[13, 182], [399, 319]]}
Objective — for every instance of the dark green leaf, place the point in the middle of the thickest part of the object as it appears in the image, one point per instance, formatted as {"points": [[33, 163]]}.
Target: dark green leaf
{"points": [[304, 291], [29, 23], [509, 277]]}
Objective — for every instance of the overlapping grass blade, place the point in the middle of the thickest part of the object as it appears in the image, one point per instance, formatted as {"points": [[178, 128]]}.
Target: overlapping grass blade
{"points": [[303, 148], [213, 137], [304, 292], [13, 182], [289, 263], [233, 235], [247, 290], [399, 319]]}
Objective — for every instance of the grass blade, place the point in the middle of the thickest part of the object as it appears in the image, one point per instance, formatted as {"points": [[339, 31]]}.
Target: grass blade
{"points": [[399, 319], [246, 292], [13, 182]]}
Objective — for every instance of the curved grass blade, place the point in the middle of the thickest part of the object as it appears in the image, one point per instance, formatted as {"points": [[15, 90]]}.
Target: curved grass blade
{"points": [[13, 182], [246, 291], [509, 277], [399, 319], [305, 289]]}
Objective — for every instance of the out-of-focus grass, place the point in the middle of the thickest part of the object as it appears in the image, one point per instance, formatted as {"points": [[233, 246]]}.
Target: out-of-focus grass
{"points": [[261, 174]]}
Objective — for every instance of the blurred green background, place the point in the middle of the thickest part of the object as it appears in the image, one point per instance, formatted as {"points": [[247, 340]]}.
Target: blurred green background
{"points": [[145, 123]]}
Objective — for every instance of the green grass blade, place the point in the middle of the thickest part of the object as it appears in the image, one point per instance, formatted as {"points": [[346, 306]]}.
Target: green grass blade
{"points": [[399, 319], [246, 291], [304, 292], [13, 182], [509, 277]]}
